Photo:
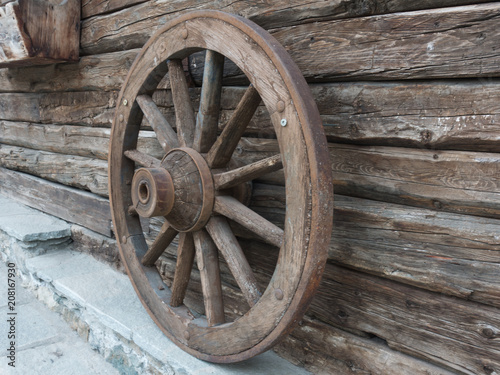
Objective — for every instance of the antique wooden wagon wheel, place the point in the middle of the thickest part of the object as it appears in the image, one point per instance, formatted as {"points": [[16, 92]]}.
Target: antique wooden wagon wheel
{"points": [[193, 186]]}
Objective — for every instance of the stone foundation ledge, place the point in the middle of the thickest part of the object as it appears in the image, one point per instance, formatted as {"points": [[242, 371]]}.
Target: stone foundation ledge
{"points": [[100, 303]]}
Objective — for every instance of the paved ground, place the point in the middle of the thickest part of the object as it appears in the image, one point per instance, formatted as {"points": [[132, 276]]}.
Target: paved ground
{"points": [[45, 344]]}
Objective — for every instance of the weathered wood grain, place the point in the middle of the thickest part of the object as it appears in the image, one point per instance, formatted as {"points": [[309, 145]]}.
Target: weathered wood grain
{"points": [[448, 331], [429, 249], [94, 7], [459, 115], [290, 12], [99, 72], [77, 171], [447, 42], [444, 180], [27, 32], [326, 350], [428, 325], [70, 140], [74, 205], [452, 181], [91, 108], [455, 115], [420, 44]]}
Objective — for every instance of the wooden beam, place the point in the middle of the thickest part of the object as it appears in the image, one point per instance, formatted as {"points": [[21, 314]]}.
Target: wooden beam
{"points": [[28, 36], [453, 181], [99, 72], [77, 171], [420, 44], [448, 253], [386, 114], [453, 333], [74, 205]]}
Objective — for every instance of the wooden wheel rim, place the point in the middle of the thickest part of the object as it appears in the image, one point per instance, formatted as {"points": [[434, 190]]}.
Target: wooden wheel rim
{"points": [[307, 170]]}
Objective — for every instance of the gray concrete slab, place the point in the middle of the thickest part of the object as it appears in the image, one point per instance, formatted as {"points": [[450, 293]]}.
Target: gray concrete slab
{"points": [[109, 297], [44, 343], [27, 224]]}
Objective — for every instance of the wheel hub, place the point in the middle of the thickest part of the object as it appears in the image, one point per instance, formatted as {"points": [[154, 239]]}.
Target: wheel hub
{"points": [[181, 190]]}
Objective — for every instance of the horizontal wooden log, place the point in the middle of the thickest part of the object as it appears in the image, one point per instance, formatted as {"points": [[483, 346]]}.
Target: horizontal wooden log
{"points": [[77, 171], [440, 115], [94, 7], [91, 108], [448, 253], [443, 115], [420, 44], [287, 13], [99, 72], [448, 331], [74, 205], [70, 140], [452, 181], [459, 115], [28, 36], [326, 350]]}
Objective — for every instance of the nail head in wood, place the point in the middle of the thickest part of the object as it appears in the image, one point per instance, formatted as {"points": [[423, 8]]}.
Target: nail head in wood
{"points": [[278, 293], [281, 106], [125, 102], [283, 122]]}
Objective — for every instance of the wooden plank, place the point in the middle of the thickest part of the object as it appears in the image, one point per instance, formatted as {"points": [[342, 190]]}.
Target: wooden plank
{"points": [[447, 253], [421, 44], [77, 171], [443, 114], [444, 180], [459, 115], [71, 140], [90, 108], [99, 72], [290, 12], [74, 205], [452, 181], [448, 331], [94, 7], [130, 28], [27, 32], [326, 350]]}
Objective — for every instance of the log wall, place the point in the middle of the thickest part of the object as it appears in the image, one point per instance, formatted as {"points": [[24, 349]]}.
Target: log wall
{"points": [[409, 94]]}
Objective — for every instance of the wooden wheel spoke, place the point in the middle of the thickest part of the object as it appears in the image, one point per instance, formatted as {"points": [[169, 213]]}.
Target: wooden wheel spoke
{"points": [[164, 238], [238, 212], [228, 245], [166, 135], [185, 259], [208, 113], [249, 172], [208, 264], [222, 150], [142, 159], [184, 113]]}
